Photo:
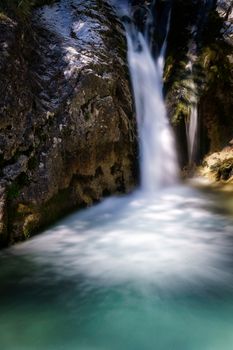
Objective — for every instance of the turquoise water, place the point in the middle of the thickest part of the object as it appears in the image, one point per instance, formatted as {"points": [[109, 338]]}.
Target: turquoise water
{"points": [[137, 272]]}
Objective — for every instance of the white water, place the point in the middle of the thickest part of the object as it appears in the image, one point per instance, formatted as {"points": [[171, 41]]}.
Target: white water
{"points": [[192, 122], [137, 272], [157, 234], [157, 147], [146, 271], [192, 132], [170, 238], [172, 241]]}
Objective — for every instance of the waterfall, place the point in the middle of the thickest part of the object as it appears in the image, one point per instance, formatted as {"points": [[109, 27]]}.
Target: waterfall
{"points": [[158, 164], [148, 270], [192, 132], [192, 122]]}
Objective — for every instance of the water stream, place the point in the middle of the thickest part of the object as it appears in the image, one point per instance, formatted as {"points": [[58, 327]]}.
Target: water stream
{"points": [[192, 126], [135, 272], [155, 135], [156, 140], [192, 122], [151, 270]]}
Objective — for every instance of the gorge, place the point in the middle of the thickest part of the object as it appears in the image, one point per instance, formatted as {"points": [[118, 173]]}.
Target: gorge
{"points": [[148, 270]]}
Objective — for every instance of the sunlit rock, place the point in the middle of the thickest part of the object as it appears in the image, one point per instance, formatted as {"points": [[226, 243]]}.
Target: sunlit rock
{"points": [[68, 134]]}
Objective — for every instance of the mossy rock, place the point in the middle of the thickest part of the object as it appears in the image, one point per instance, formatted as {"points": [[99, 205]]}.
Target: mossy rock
{"points": [[31, 225], [181, 113], [225, 170]]}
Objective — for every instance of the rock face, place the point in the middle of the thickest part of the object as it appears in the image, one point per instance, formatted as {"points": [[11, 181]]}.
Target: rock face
{"points": [[67, 127], [200, 62], [218, 166], [216, 104], [225, 11]]}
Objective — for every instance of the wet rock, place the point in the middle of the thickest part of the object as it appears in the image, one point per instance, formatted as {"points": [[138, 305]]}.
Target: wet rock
{"points": [[211, 74], [66, 113], [218, 166], [3, 216], [225, 10]]}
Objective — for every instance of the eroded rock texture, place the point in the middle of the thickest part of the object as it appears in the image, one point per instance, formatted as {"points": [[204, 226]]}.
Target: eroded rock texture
{"points": [[199, 67], [68, 134]]}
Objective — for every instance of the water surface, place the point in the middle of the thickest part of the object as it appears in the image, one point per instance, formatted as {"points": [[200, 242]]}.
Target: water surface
{"points": [[146, 271]]}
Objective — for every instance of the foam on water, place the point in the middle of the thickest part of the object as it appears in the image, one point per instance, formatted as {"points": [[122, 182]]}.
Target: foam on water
{"points": [[158, 155], [152, 270], [137, 272], [171, 240]]}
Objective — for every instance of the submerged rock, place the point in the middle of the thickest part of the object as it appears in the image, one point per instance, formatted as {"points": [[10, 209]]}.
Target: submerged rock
{"points": [[68, 134]]}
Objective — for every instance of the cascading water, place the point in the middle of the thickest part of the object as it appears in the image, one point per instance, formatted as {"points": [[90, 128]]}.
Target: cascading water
{"points": [[192, 132], [192, 122], [158, 155], [151, 270]]}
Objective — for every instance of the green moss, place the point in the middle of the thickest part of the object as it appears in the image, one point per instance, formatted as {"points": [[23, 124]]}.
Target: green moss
{"points": [[3, 16], [168, 67], [215, 63], [181, 112], [224, 170], [31, 225]]}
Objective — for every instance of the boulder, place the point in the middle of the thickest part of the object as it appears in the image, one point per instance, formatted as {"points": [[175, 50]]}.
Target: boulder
{"points": [[67, 126]]}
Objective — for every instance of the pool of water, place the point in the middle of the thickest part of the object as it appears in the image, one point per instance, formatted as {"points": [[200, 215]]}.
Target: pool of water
{"points": [[145, 271]]}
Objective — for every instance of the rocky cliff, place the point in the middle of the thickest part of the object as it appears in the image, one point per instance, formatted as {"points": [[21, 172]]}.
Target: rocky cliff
{"points": [[216, 104], [199, 68], [67, 128]]}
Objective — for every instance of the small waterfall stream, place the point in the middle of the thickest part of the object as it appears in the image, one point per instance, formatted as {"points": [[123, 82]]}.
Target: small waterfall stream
{"points": [[192, 122], [192, 132], [151, 270]]}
